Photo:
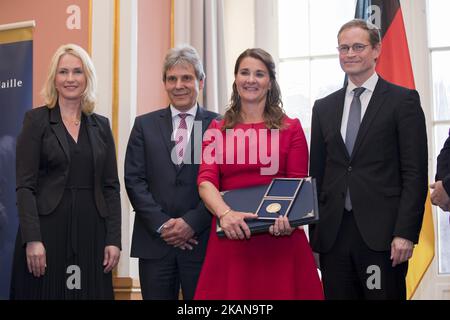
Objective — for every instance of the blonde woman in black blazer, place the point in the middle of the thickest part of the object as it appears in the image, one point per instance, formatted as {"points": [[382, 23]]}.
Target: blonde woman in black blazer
{"points": [[68, 197]]}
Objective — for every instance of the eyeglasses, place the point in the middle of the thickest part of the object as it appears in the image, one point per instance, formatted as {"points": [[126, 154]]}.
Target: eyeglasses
{"points": [[356, 47]]}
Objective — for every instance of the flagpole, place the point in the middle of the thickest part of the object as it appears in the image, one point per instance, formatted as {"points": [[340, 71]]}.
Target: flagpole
{"points": [[18, 25]]}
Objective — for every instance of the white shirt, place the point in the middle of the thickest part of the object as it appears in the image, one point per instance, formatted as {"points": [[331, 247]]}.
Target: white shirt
{"points": [[364, 97]]}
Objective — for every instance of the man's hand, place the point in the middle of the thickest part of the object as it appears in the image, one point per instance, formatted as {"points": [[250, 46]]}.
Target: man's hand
{"points": [[401, 250], [439, 196], [189, 244], [176, 232]]}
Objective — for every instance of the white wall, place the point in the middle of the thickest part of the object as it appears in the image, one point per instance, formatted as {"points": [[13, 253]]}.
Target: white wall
{"points": [[239, 32], [103, 58]]}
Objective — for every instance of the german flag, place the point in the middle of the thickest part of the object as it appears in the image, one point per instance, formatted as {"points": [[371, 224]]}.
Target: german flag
{"points": [[394, 65]]}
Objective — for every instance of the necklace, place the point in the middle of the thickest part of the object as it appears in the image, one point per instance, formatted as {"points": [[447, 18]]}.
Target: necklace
{"points": [[75, 122]]}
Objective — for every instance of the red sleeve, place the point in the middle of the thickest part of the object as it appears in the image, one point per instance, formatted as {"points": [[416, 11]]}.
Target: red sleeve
{"points": [[297, 162], [209, 168]]}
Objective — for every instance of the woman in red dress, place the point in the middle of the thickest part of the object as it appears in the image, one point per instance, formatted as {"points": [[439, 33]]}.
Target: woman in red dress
{"points": [[258, 142]]}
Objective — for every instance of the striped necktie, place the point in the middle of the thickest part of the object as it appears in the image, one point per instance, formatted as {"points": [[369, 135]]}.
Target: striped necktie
{"points": [[181, 137]]}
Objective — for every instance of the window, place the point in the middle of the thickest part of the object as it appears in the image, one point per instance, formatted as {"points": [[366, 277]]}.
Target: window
{"points": [[439, 46], [309, 65]]}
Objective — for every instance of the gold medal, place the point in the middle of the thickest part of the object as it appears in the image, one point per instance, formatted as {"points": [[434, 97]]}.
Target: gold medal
{"points": [[273, 207]]}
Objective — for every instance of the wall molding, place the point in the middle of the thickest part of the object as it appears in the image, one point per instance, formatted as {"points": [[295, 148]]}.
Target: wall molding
{"points": [[126, 288]]}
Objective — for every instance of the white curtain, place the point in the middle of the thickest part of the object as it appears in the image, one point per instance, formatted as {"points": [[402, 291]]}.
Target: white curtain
{"points": [[200, 23]]}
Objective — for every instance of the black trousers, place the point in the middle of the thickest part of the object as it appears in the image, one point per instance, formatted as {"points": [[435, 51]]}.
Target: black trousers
{"points": [[161, 279], [351, 270]]}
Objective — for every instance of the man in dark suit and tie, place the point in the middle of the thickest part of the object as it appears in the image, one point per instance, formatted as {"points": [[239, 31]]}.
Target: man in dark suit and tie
{"points": [[171, 225], [369, 156]]}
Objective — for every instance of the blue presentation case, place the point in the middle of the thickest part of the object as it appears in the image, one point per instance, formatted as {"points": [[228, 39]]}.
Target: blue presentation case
{"points": [[297, 198]]}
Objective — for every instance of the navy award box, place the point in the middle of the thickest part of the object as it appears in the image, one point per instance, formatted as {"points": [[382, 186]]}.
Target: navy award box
{"points": [[294, 197]]}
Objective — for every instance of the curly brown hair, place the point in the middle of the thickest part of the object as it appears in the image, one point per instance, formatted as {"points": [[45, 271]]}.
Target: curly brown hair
{"points": [[273, 110]]}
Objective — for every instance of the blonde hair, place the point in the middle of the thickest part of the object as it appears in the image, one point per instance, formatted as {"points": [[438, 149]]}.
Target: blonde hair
{"points": [[88, 97]]}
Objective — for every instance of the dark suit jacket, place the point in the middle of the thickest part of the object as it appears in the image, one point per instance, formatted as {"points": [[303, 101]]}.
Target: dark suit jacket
{"points": [[443, 166], [386, 174], [42, 169], [158, 189]]}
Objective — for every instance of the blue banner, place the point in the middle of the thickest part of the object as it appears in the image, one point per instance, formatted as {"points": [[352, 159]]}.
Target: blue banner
{"points": [[16, 97]]}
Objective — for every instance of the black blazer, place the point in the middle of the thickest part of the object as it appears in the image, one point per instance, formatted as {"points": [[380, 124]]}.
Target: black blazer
{"points": [[42, 169], [386, 174], [158, 189]]}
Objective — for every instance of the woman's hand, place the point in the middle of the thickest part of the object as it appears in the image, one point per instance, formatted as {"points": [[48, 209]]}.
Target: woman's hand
{"points": [[281, 227], [111, 259], [36, 258], [234, 226]]}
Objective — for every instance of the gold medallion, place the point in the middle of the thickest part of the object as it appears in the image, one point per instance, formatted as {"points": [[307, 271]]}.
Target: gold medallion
{"points": [[273, 207]]}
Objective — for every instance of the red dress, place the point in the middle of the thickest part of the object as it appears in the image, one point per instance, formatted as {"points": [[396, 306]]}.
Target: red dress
{"points": [[264, 267]]}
